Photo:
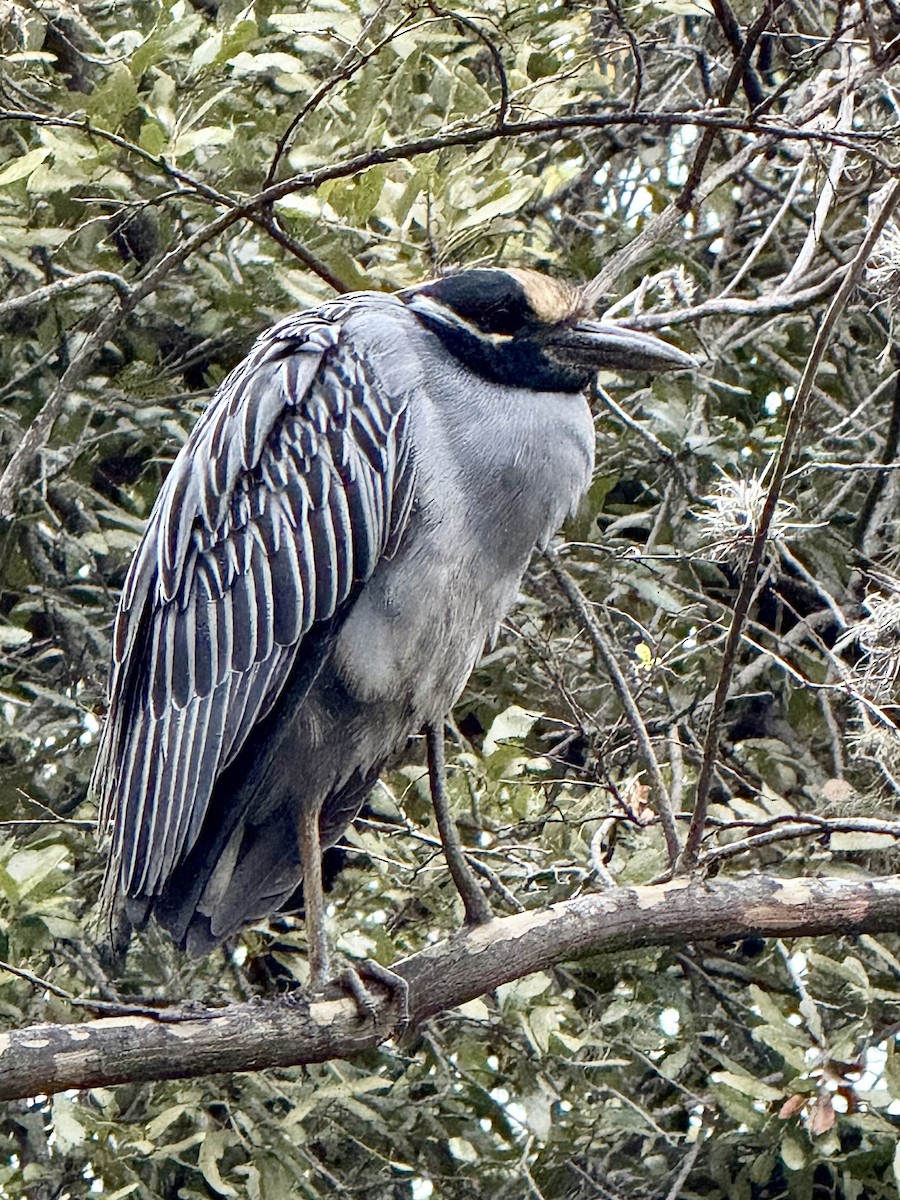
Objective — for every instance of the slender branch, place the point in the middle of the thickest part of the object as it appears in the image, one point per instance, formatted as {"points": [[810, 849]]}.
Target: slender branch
{"points": [[743, 50], [660, 228], [762, 241], [876, 488], [839, 468], [270, 224], [801, 826], [44, 295], [112, 1007], [473, 133], [353, 60], [34, 822], [496, 57], [806, 257], [629, 35], [780, 469], [661, 802], [768, 304], [254, 1036], [478, 911], [16, 473], [687, 1165]]}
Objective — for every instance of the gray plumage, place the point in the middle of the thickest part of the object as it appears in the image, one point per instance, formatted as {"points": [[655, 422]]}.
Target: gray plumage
{"points": [[344, 530]]}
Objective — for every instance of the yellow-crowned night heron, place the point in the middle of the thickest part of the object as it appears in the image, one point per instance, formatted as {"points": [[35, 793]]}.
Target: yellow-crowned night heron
{"points": [[345, 528]]}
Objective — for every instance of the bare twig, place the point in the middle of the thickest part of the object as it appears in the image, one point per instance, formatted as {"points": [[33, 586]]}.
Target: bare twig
{"points": [[741, 49], [876, 488], [491, 47], [112, 1008], [794, 828], [687, 1165], [354, 59], [477, 909], [768, 304], [804, 259], [43, 295], [661, 801], [762, 241], [658, 230]]}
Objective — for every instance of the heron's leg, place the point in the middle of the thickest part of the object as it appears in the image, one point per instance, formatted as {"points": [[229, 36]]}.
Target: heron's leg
{"points": [[351, 979], [478, 911], [314, 899]]}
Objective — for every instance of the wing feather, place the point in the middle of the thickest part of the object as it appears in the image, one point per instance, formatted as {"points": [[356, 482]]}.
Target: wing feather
{"points": [[281, 502], [205, 620], [185, 738]]}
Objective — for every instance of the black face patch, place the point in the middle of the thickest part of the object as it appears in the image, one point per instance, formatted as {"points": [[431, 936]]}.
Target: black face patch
{"points": [[520, 362], [487, 321], [492, 301]]}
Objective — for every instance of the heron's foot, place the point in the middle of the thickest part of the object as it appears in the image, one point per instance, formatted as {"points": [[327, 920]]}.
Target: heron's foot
{"points": [[354, 980], [362, 983]]}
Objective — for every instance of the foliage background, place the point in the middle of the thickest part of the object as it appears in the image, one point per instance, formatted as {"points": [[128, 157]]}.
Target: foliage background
{"points": [[736, 148]]}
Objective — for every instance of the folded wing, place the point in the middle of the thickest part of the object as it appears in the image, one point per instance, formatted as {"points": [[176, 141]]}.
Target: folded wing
{"points": [[295, 482]]}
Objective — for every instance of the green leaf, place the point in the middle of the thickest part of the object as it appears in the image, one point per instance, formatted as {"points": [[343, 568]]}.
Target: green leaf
{"points": [[161, 1122], [762, 1167], [153, 137], [462, 1150], [212, 1148], [750, 1086], [784, 1044], [520, 992], [226, 44], [849, 970], [355, 199], [513, 724], [774, 1017], [509, 200], [11, 636], [793, 1151], [22, 167], [540, 1023], [210, 135], [111, 101], [29, 868], [68, 1130]]}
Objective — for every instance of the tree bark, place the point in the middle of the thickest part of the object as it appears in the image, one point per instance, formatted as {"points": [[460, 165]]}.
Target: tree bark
{"points": [[287, 1032]]}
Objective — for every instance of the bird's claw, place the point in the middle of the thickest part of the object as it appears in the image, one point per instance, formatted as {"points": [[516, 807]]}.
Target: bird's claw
{"points": [[352, 981]]}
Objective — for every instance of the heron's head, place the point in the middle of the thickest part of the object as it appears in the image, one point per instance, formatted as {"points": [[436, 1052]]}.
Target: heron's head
{"points": [[522, 328]]}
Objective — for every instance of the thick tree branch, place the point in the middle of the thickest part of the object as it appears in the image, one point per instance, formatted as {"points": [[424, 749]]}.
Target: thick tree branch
{"points": [[253, 1036]]}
